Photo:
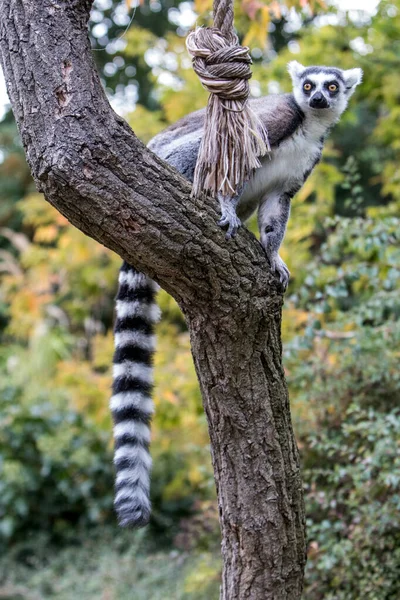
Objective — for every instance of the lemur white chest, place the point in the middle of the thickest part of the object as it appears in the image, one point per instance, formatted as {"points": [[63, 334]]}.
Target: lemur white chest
{"points": [[286, 166]]}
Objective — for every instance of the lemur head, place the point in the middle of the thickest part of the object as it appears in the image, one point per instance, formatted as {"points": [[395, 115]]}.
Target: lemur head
{"points": [[323, 90]]}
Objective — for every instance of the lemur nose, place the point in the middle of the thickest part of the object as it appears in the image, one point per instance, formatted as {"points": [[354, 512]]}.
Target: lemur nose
{"points": [[319, 101]]}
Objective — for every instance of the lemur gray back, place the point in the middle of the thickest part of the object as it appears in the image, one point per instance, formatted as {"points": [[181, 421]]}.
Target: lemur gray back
{"points": [[179, 144]]}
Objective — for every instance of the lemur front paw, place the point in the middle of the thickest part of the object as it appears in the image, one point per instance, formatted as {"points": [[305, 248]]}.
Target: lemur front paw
{"points": [[279, 267], [230, 218]]}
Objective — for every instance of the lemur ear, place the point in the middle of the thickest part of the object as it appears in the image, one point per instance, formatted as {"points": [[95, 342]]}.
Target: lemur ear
{"points": [[295, 70], [352, 78]]}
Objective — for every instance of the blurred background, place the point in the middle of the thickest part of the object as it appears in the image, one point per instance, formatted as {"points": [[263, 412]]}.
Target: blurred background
{"points": [[341, 331]]}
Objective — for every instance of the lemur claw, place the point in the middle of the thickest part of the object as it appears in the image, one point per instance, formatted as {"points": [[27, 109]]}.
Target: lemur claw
{"points": [[233, 222], [279, 267], [228, 215]]}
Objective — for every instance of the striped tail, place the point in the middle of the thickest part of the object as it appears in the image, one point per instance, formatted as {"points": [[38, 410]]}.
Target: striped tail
{"points": [[131, 404]]}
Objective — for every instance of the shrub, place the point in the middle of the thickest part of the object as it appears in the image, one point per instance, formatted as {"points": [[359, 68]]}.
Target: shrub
{"points": [[56, 467], [345, 389], [353, 505]]}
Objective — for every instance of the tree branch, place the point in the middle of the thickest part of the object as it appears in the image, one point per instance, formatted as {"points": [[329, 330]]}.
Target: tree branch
{"points": [[92, 168]]}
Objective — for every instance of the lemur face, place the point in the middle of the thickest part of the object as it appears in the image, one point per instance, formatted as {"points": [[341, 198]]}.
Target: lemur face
{"points": [[323, 89]]}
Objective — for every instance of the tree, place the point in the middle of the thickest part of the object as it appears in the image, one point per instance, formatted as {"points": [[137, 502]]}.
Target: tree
{"points": [[92, 168]]}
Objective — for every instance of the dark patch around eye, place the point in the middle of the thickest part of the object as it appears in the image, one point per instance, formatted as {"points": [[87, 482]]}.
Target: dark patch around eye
{"points": [[311, 88], [332, 92]]}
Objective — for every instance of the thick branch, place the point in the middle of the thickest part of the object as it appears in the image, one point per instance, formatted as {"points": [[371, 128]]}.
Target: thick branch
{"points": [[92, 168]]}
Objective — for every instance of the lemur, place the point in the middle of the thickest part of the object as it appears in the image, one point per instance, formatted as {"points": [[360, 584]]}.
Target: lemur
{"points": [[297, 125]]}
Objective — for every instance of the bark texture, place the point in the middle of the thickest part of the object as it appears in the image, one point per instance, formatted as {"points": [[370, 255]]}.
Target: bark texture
{"points": [[92, 168]]}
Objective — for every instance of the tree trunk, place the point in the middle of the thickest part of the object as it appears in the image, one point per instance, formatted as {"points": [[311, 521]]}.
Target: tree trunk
{"points": [[92, 168]]}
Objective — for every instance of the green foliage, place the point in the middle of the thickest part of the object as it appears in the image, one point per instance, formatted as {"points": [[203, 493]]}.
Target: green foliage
{"points": [[58, 307], [117, 565], [353, 494], [56, 468], [113, 23], [345, 389]]}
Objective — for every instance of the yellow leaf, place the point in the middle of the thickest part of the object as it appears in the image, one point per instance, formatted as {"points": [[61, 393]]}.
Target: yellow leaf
{"points": [[258, 31], [45, 234]]}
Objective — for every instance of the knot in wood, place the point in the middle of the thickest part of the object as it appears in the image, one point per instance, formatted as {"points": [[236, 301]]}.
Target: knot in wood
{"points": [[222, 66]]}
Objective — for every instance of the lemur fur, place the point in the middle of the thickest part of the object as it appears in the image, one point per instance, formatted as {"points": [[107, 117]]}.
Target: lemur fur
{"points": [[297, 125]]}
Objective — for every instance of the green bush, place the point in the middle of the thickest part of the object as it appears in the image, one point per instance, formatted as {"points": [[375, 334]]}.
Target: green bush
{"points": [[353, 505], [57, 471], [345, 389], [56, 468], [108, 563]]}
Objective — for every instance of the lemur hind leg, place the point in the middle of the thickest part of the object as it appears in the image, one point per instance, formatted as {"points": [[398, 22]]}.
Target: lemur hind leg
{"points": [[228, 214], [273, 215]]}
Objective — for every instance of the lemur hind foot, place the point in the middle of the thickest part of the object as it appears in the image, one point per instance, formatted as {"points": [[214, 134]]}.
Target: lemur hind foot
{"points": [[278, 266], [232, 220], [228, 214]]}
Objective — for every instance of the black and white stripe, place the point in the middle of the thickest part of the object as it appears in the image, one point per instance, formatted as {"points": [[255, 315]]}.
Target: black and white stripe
{"points": [[131, 404]]}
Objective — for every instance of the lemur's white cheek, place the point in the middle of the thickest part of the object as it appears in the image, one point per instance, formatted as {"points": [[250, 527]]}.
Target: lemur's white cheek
{"points": [[301, 101]]}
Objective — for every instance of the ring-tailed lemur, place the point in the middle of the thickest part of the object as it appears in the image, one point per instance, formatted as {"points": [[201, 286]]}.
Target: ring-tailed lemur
{"points": [[297, 125]]}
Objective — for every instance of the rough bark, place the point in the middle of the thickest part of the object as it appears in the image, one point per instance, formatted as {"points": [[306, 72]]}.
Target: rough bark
{"points": [[91, 167]]}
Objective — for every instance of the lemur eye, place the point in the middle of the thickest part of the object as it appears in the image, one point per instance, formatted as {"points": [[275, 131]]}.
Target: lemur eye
{"points": [[307, 87], [332, 87]]}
